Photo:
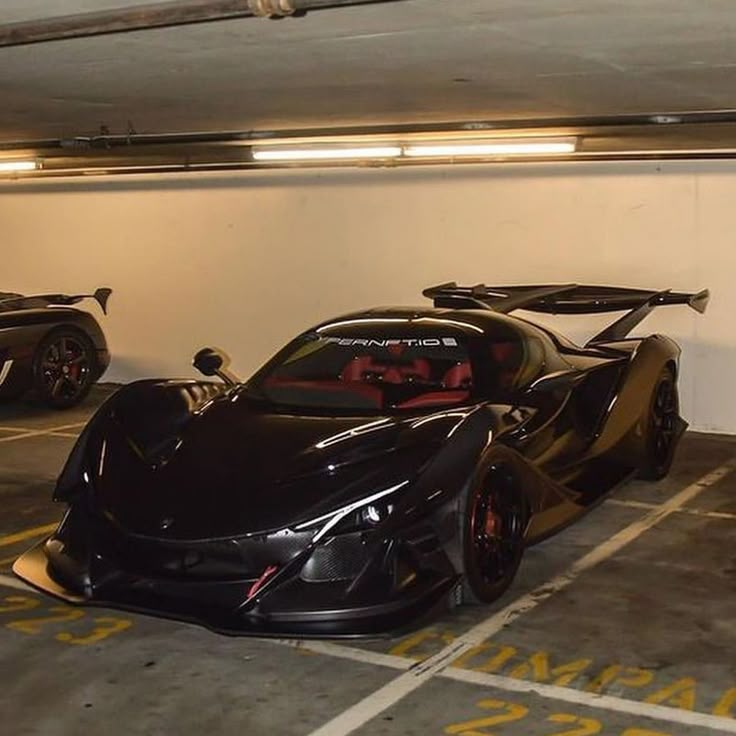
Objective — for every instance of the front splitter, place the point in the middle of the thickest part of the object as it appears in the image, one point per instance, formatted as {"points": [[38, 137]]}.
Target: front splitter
{"points": [[382, 620]]}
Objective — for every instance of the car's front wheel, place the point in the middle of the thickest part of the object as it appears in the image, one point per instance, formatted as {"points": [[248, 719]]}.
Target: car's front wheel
{"points": [[493, 524]]}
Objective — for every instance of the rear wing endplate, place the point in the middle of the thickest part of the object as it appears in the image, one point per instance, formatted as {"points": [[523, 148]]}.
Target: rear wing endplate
{"points": [[623, 326]]}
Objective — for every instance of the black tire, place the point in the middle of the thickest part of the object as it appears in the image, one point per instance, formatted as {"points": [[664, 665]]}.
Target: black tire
{"points": [[662, 430], [493, 521], [64, 368]]}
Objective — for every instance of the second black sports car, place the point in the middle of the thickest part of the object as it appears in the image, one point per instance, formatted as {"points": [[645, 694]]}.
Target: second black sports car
{"points": [[379, 465], [49, 346]]}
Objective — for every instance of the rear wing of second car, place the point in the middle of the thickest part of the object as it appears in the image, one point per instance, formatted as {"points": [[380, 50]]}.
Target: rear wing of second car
{"points": [[18, 301], [568, 299]]}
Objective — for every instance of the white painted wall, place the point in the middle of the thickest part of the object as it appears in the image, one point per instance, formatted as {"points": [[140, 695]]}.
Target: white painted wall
{"points": [[244, 261]]}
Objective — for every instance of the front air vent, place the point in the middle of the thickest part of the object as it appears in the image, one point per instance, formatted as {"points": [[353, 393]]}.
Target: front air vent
{"points": [[341, 559]]}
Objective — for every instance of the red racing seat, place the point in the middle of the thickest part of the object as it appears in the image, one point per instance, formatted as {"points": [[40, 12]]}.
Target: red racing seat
{"points": [[460, 376], [359, 368]]}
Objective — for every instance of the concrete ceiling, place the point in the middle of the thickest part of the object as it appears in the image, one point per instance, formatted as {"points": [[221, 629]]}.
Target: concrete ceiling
{"points": [[418, 60]]}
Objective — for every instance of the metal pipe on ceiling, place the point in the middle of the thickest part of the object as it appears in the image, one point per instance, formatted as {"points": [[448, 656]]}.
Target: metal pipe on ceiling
{"points": [[673, 136], [655, 124], [159, 15], [98, 168]]}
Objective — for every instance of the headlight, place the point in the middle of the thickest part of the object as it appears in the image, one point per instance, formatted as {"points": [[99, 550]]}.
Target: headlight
{"points": [[371, 510], [376, 513]]}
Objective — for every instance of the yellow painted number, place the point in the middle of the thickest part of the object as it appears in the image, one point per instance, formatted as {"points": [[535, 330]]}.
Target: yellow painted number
{"points": [[510, 714], [18, 603], [107, 626], [34, 625], [581, 726]]}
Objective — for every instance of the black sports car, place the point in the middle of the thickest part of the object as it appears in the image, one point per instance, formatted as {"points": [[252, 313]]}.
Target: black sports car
{"points": [[381, 464], [47, 345]]}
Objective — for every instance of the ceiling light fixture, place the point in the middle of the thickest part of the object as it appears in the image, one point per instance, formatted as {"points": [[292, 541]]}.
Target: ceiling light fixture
{"points": [[326, 153], [508, 147], [18, 166], [430, 149]]}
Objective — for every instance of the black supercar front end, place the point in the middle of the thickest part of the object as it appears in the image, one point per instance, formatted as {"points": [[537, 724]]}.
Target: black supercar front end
{"points": [[279, 531], [302, 589], [379, 467]]}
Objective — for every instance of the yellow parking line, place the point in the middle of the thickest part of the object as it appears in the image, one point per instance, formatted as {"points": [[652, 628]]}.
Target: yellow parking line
{"points": [[38, 531], [8, 560]]}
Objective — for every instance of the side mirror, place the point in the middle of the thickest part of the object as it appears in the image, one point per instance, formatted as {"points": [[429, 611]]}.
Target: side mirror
{"points": [[560, 380], [213, 362], [208, 361]]}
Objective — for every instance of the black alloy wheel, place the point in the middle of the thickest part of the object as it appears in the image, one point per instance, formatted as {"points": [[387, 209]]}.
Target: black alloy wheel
{"points": [[663, 430], [64, 368], [493, 535]]}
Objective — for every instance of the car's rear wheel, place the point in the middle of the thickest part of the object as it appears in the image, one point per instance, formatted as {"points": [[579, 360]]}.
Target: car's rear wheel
{"points": [[492, 531], [64, 368], [662, 427]]}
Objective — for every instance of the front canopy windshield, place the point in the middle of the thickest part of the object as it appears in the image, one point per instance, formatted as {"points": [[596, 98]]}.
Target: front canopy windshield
{"points": [[370, 375]]}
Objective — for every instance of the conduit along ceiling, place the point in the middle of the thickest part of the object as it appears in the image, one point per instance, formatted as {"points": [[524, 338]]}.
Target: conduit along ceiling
{"points": [[597, 79]]}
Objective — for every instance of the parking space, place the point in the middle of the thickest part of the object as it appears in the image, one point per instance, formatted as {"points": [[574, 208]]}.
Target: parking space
{"points": [[621, 625], [653, 623], [29, 469], [29, 415], [456, 708], [721, 502], [92, 666]]}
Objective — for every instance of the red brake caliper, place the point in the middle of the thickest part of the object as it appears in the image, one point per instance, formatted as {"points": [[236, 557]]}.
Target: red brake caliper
{"points": [[74, 371], [493, 522]]}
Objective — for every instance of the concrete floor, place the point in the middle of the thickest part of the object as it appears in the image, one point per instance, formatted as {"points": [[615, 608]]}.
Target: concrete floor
{"points": [[625, 624]]}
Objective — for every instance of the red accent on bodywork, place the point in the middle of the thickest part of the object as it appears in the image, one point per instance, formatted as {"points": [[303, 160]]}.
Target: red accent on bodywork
{"points": [[436, 398], [267, 573]]}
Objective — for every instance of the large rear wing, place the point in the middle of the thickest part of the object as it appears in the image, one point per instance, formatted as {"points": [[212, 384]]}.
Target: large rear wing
{"points": [[567, 299], [18, 301]]}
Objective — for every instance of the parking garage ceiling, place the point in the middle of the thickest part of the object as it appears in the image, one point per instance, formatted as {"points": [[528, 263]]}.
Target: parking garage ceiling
{"points": [[403, 62]]}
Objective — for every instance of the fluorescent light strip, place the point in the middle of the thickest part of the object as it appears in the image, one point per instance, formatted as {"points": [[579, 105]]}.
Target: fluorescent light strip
{"points": [[446, 149], [17, 166], [492, 148], [343, 152], [322, 154]]}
